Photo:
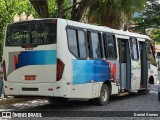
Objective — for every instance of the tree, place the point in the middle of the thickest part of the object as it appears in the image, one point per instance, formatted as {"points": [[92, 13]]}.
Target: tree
{"points": [[8, 8], [76, 7], [41, 7], [155, 35], [113, 13], [60, 8], [151, 13], [77, 12], [150, 16], [70, 9]]}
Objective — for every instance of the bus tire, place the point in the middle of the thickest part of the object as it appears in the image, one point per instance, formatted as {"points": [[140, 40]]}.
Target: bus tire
{"points": [[145, 91], [159, 95], [104, 96]]}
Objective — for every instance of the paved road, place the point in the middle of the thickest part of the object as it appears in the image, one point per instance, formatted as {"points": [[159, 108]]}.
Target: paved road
{"points": [[133, 102]]}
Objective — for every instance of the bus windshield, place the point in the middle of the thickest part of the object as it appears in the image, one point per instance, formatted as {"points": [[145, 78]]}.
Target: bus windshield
{"points": [[149, 53], [31, 33], [158, 55]]}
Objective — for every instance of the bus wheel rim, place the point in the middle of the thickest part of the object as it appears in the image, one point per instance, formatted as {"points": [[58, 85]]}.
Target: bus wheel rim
{"points": [[104, 95]]}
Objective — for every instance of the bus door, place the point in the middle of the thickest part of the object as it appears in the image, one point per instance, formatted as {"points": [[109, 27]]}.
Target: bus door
{"points": [[125, 63], [144, 64], [135, 65], [152, 65]]}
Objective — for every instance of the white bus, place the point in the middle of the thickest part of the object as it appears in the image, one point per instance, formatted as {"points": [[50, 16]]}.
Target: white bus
{"points": [[63, 59]]}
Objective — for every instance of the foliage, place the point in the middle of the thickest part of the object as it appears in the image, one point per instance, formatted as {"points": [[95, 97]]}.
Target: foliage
{"points": [[152, 13], [71, 9], [155, 35], [52, 7], [150, 17], [8, 8], [104, 12], [113, 13]]}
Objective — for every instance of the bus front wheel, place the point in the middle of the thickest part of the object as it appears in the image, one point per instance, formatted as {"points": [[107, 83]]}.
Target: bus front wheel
{"points": [[104, 96]]}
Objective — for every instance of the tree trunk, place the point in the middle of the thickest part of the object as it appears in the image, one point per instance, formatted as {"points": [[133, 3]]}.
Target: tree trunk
{"points": [[60, 8], [81, 9], [41, 7], [73, 12]]}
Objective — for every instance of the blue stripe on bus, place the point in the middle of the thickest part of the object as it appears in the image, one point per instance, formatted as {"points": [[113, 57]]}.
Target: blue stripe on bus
{"points": [[41, 57], [85, 71]]}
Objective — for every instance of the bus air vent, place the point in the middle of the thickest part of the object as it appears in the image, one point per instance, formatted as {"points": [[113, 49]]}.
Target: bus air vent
{"points": [[29, 89]]}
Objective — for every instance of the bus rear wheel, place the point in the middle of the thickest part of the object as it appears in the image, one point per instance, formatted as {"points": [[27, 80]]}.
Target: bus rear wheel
{"points": [[104, 96], [145, 91]]}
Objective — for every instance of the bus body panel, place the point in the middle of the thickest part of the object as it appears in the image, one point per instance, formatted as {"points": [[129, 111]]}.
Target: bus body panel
{"points": [[64, 55], [85, 90], [135, 75], [153, 71], [31, 63], [18, 76], [115, 89]]}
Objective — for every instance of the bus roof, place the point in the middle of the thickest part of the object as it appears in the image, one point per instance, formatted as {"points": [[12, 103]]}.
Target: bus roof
{"points": [[106, 29]]}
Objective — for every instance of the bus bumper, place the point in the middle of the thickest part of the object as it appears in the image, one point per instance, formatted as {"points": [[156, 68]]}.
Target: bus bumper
{"points": [[37, 89]]}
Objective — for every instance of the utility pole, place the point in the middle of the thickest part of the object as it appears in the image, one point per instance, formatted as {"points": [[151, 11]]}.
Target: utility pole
{"points": [[144, 21]]}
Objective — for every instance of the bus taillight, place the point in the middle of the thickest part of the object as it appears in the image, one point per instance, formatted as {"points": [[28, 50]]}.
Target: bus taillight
{"points": [[4, 70], [60, 69], [54, 21]]}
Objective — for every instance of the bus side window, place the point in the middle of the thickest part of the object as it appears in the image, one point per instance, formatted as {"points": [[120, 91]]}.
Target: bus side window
{"points": [[109, 46], [76, 42], [81, 44], [95, 46], [89, 43], [134, 49], [72, 41]]}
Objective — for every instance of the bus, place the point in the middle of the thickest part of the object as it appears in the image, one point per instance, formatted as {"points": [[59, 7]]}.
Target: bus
{"points": [[62, 59]]}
